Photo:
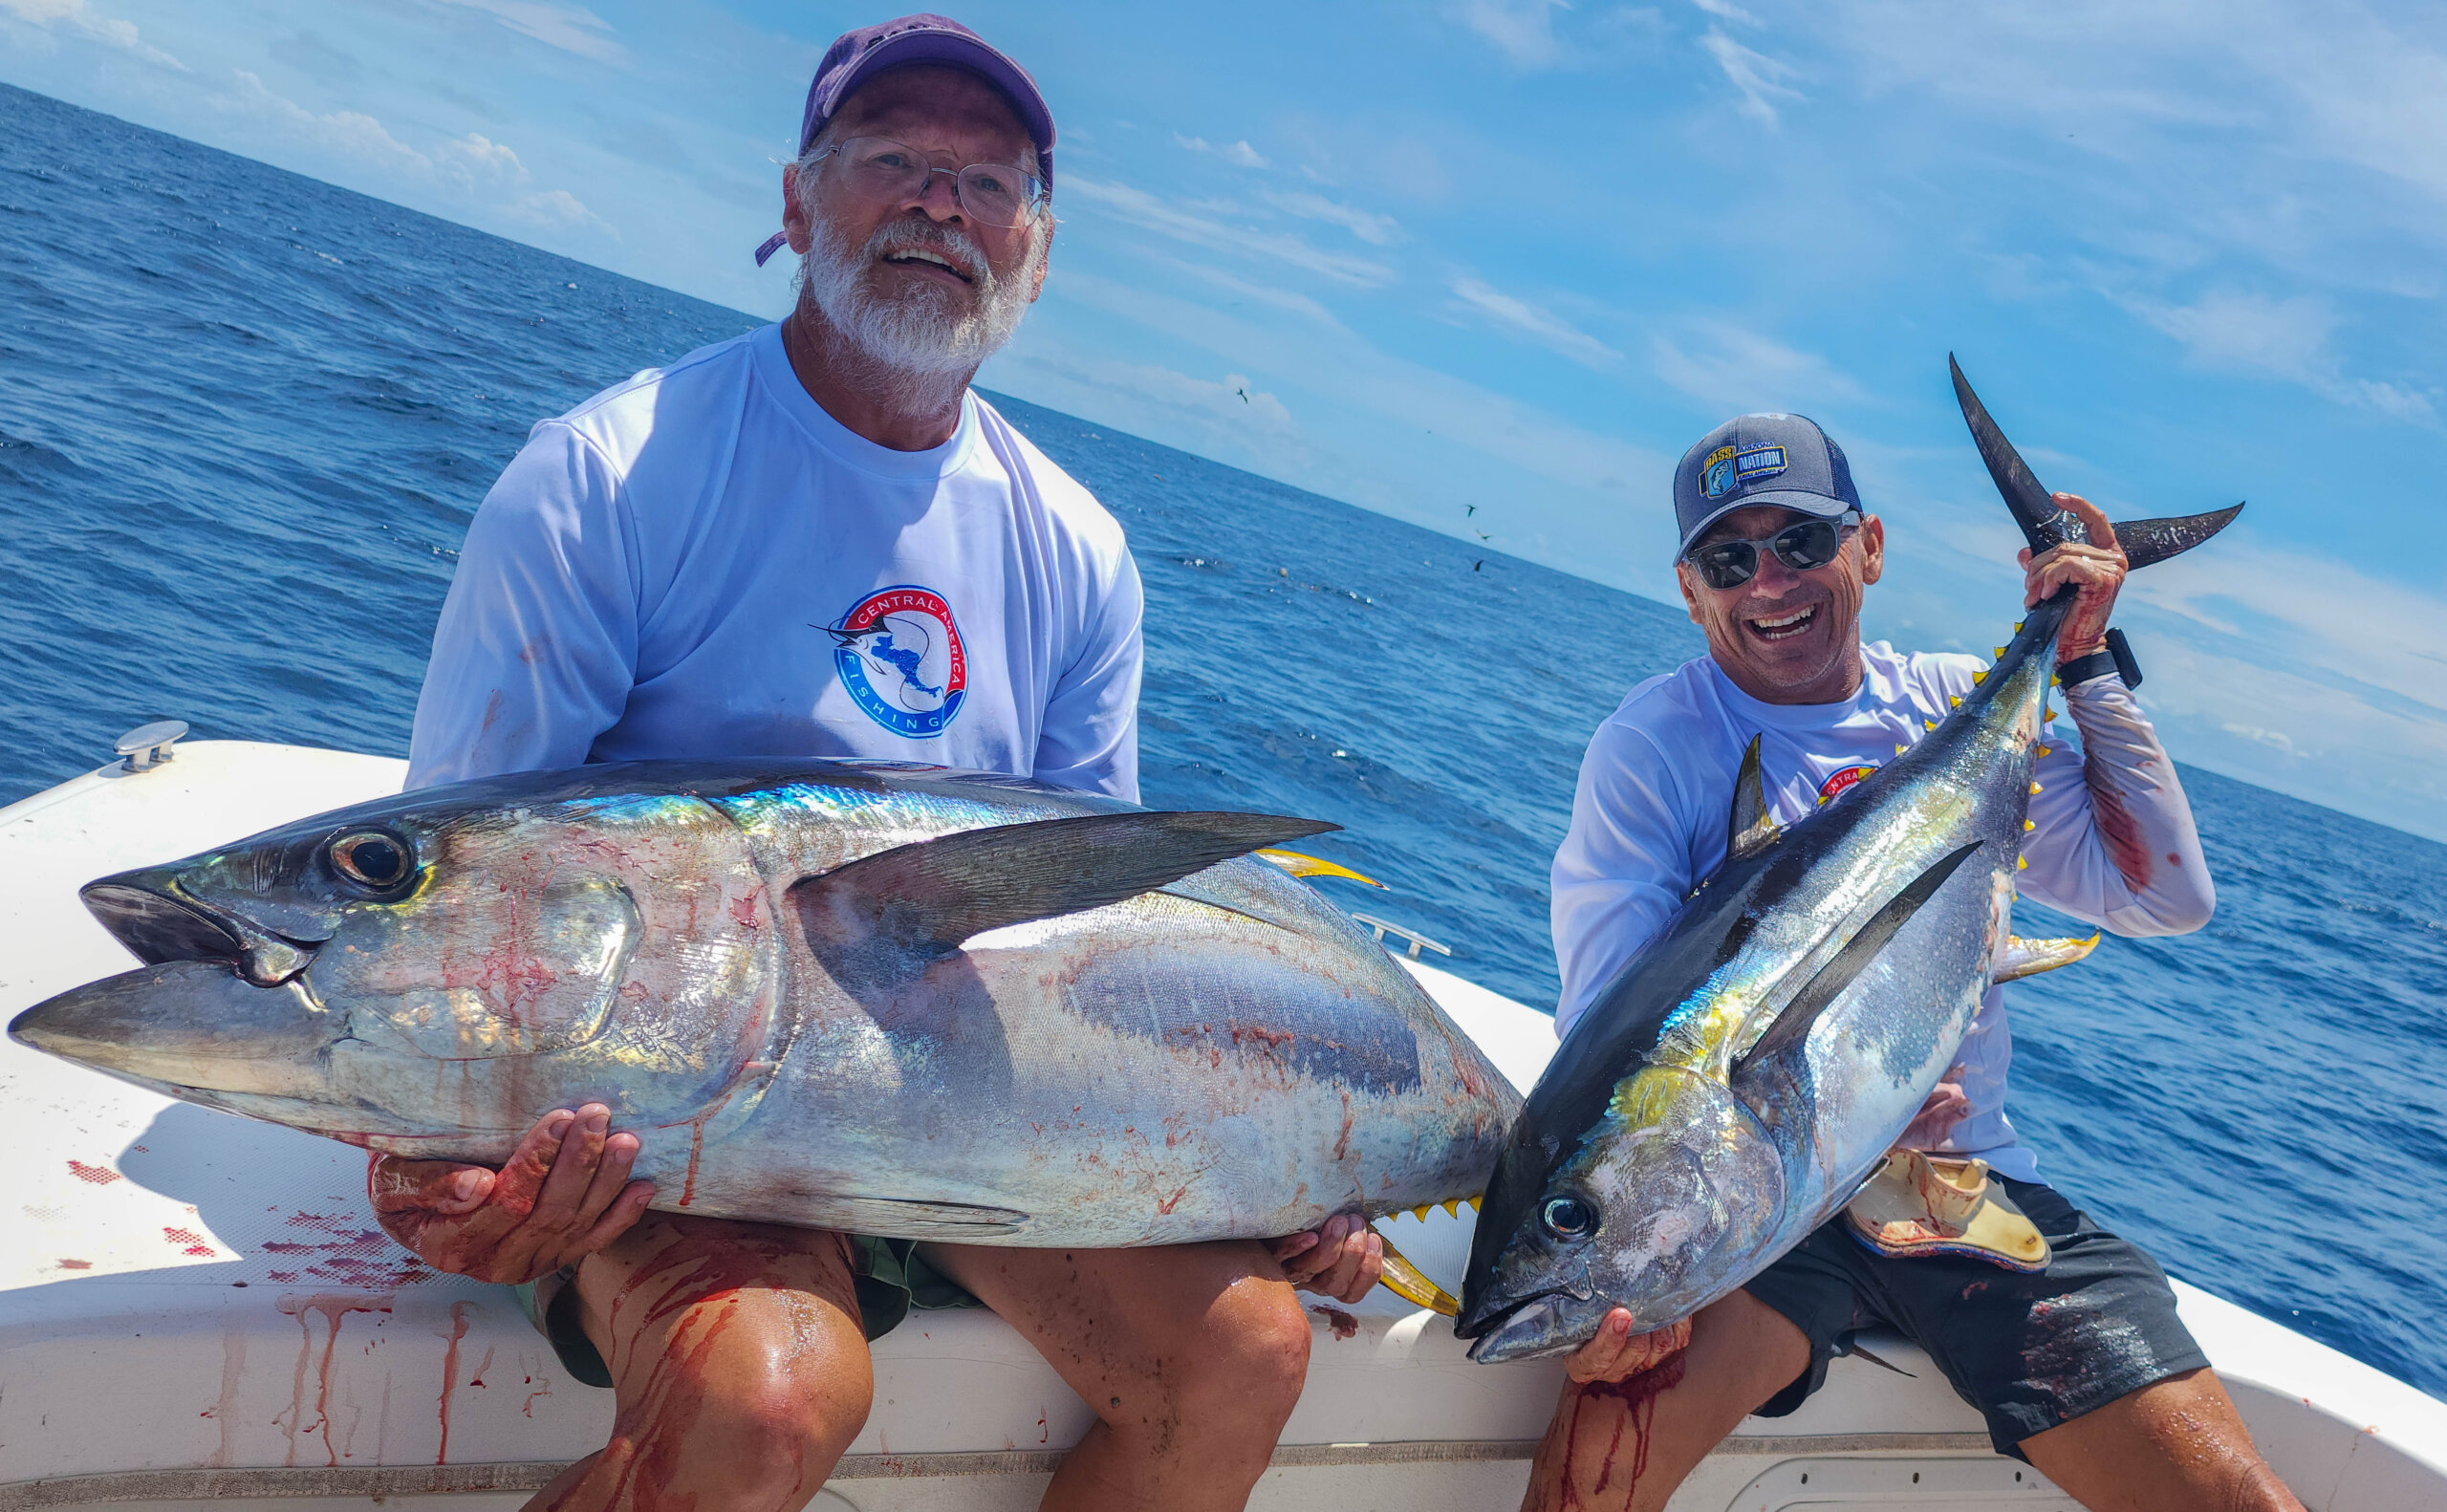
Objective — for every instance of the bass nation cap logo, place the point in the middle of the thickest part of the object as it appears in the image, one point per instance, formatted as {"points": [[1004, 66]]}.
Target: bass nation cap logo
{"points": [[1727, 468], [901, 661]]}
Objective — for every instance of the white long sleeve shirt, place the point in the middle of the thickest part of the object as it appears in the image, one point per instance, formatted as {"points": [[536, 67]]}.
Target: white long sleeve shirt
{"points": [[2115, 843], [701, 562]]}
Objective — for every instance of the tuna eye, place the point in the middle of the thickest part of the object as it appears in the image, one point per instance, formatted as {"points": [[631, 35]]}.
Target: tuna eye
{"points": [[1569, 1218], [372, 858]]}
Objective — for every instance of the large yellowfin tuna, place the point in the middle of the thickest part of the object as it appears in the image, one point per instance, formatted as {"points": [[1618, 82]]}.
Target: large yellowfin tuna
{"points": [[932, 1004], [1747, 1072]]}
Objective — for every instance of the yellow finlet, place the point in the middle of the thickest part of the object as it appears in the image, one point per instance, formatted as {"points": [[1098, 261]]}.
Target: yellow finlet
{"points": [[2045, 714], [1476, 1201], [1928, 724], [1900, 749], [2018, 627], [1452, 1207], [2029, 824], [2055, 682], [1413, 1284], [2001, 653], [1978, 678], [2041, 749], [1953, 701], [1419, 1212], [2034, 790], [1298, 865], [2022, 863]]}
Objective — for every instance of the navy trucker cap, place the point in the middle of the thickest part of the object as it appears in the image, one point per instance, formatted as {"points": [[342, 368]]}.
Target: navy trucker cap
{"points": [[858, 56], [1781, 461]]}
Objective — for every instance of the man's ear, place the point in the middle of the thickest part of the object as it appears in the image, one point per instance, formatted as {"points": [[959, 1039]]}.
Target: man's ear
{"points": [[1690, 596], [794, 223], [1036, 287], [1873, 549]]}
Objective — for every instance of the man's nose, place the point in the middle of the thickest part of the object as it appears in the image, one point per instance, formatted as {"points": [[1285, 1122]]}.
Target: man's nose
{"points": [[939, 199], [1773, 575]]}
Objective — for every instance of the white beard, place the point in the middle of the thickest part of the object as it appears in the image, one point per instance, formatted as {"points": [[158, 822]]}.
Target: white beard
{"points": [[924, 338]]}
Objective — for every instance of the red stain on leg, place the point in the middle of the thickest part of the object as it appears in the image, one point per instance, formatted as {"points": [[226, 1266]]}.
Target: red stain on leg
{"points": [[1638, 1395]]}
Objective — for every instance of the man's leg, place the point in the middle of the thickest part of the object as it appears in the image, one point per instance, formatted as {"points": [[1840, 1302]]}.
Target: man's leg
{"points": [[2175, 1444], [1629, 1444], [1192, 1356], [738, 1361]]}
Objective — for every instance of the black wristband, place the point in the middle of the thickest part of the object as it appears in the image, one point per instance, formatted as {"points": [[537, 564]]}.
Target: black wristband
{"points": [[2117, 659]]}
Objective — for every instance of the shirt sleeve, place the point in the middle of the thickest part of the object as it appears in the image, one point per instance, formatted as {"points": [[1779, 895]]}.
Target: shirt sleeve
{"points": [[1624, 867], [2113, 842], [536, 649], [1089, 740]]}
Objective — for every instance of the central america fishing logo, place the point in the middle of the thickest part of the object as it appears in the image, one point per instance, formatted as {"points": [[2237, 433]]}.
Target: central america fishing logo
{"points": [[901, 659]]}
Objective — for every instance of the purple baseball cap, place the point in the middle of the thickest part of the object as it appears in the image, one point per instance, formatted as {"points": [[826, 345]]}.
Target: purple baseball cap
{"points": [[855, 58]]}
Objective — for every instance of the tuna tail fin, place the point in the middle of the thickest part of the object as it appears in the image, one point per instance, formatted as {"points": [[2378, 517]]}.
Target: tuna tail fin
{"points": [[2149, 541], [925, 899], [2044, 525], [1794, 1022]]}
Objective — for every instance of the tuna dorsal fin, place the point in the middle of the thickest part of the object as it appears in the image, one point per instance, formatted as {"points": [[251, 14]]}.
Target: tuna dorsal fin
{"points": [[923, 899], [1749, 829], [2148, 541], [1832, 978]]}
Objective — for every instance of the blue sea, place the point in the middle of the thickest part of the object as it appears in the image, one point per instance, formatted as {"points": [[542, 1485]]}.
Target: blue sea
{"points": [[245, 418]]}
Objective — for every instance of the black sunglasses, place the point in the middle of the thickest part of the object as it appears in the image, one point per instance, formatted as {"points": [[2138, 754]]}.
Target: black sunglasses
{"points": [[1801, 546]]}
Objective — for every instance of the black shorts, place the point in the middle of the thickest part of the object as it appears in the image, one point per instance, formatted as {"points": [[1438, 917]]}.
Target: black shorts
{"points": [[2030, 1351]]}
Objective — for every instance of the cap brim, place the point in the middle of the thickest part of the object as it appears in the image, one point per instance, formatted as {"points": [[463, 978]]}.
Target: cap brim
{"points": [[951, 48], [1823, 505]]}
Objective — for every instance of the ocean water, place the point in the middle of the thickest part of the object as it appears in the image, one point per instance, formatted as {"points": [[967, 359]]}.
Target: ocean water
{"points": [[245, 418]]}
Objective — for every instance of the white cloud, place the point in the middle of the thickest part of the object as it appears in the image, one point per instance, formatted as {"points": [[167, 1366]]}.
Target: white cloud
{"points": [[1156, 213], [1732, 368], [1727, 10], [1378, 230], [1238, 153], [473, 168], [1759, 77], [1523, 319], [1523, 31], [81, 18], [2285, 339], [573, 28]]}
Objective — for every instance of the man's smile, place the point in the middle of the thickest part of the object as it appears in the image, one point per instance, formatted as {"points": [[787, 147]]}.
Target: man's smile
{"points": [[1782, 627], [930, 264]]}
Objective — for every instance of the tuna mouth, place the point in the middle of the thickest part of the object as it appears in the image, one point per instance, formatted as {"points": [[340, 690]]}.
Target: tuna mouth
{"points": [[158, 924], [1533, 1327]]}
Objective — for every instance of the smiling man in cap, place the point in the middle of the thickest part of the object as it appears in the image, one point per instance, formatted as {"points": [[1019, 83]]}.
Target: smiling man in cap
{"points": [[815, 540], [2081, 1368]]}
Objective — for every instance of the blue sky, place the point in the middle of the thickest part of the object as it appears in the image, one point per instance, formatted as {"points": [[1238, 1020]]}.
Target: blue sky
{"points": [[1517, 254]]}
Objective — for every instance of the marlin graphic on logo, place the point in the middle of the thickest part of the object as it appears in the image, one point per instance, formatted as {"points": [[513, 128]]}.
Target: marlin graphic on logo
{"points": [[905, 654]]}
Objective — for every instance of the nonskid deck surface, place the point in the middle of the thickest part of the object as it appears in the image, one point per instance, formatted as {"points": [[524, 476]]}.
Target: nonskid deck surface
{"points": [[194, 1306]]}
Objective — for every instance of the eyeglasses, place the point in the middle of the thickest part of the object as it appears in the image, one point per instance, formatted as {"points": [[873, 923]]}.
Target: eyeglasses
{"points": [[879, 168], [1801, 546]]}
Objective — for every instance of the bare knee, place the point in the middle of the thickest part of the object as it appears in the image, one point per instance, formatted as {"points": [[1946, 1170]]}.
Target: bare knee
{"points": [[1254, 1357]]}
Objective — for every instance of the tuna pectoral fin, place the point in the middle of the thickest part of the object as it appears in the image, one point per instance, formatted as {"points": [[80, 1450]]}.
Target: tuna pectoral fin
{"points": [[929, 896], [2147, 541], [2028, 957], [1822, 989], [896, 1218], [1415, 1285]]}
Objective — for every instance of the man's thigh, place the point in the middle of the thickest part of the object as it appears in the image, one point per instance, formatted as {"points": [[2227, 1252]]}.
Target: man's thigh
{"points": [[677, 1286], [1113, 1320]]}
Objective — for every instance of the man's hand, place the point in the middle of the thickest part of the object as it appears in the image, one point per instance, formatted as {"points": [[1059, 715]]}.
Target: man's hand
{"points": [[2098, 568], [1617, 1354], [1948, 1105], [564, 1195], [1343, 1260]]}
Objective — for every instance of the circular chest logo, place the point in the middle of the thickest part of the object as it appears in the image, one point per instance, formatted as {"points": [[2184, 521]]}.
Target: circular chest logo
{"points": [[901, 659], [1842, 782]]}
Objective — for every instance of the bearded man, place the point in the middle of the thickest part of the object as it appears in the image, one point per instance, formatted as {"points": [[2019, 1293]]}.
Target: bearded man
{"points": [[815, 540]]}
